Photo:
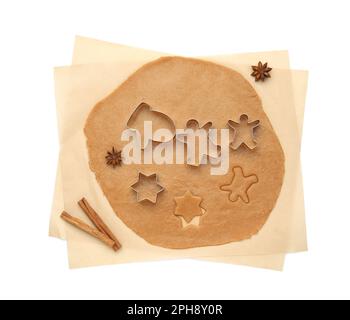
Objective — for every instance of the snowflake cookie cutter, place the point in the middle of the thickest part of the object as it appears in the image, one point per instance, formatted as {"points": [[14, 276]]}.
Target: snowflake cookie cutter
{"points": [[147, 187]]}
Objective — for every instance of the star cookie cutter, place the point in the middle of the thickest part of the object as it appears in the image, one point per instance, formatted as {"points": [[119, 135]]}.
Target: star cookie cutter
{"points": [[147, 187], [146, 113], [244, 132]]}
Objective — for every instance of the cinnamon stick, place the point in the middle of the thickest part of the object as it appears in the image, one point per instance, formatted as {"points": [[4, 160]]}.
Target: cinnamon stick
{"points": [[86, 228], [98, 222]]}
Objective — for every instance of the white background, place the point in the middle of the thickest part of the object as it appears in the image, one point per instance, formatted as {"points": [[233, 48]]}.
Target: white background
{"points": [[37, 35]]}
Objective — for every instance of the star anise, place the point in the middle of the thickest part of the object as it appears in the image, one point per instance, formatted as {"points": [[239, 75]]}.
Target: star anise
{"points": [[114, 158], [261, 71]]}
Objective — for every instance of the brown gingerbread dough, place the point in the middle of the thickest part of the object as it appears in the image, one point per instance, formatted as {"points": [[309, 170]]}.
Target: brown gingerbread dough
{"points": [[233, 207]]}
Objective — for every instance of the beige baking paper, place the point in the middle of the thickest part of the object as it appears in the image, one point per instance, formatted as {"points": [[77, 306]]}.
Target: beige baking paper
{"points": [[89, 50], [275, 262], [137, 259], [82, 86]]}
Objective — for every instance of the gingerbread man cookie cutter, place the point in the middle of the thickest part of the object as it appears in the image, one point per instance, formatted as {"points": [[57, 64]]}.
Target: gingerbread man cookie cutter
{"points": [[244, 132]]}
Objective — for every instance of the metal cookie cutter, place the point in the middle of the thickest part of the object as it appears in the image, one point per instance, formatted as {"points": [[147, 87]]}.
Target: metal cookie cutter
{"points": [[244, 132], [193, 124], [147, 187], [143, 113]]}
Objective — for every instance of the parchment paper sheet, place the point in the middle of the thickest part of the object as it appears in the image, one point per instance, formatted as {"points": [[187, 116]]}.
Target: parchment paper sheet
{"points": [[75, 246]]}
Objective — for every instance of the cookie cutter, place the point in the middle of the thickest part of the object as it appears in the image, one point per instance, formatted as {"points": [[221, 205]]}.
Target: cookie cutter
{"points": [[147, 195], [193, 124], [244, 132], [144, 108]]}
